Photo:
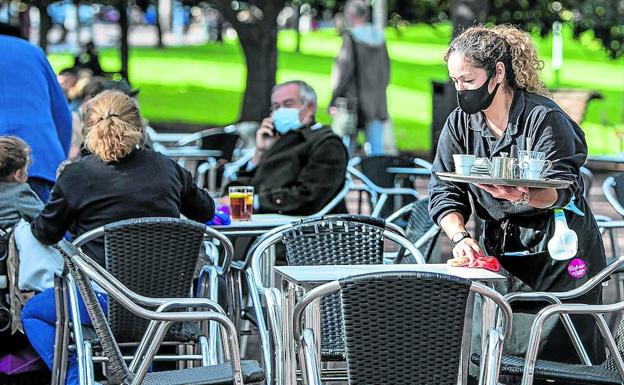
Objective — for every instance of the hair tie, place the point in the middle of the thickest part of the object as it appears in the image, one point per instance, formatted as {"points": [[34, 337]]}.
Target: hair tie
{"points": [[107, 116]]}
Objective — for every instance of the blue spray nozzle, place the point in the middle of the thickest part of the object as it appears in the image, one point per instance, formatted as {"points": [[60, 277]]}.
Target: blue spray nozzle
{"points": [[572, 207]]}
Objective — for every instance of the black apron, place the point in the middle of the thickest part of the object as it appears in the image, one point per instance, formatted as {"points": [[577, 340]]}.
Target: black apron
{"points": [[530, 268]]}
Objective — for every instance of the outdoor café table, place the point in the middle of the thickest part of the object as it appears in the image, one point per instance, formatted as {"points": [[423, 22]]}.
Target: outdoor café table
{"points": [[401, 172], [409, 171], [610, 162], [258, 225], [295, 281]]}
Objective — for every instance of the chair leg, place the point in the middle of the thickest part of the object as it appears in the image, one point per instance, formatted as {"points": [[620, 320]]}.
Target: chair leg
{"points": [[73, 299], [265, 339], [64, 360], [204, 350], [88, 357], [58, 332]]}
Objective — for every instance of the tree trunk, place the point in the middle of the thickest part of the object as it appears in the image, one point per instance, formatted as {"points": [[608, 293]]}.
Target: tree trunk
{"points": [[123, 46], [24, 22], [260, 48], [45, 23], [297, 8], [259, 42], [159, 31]]}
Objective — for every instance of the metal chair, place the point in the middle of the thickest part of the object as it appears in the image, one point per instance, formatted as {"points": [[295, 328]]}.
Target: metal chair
{"points": [[402, 328], [613, 190], [329, 240], [588, 181], [224, 139], [161, 313], [609, 372], [379, 194], [157, 257], [420, 230]]}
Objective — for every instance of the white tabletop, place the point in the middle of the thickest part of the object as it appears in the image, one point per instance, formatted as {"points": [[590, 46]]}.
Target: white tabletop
{"points": [[260, 221], [317, 274], [408, 170], [190, 152]]}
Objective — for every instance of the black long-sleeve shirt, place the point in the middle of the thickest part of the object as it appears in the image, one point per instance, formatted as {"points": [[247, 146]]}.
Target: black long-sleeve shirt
{"points": [[91, 193], [531, 115], [523, 228]]}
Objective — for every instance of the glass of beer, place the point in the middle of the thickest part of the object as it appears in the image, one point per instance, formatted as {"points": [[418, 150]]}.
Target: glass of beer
{"points": [[241, 202]]}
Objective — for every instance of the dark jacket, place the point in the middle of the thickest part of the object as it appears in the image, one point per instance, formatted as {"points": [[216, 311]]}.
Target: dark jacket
{"points": [[300, 173], [518, 235], [361, 74], [91, 193]]}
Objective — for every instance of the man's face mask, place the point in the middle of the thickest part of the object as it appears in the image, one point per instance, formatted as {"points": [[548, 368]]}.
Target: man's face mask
{"points": [[473, 101], [286, 119]]}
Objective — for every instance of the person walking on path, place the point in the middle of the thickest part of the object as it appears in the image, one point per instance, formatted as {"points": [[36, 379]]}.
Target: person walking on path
{"points": [[361, 74]]}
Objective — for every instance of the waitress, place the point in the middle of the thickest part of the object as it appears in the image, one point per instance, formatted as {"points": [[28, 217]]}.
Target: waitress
{"points": [[502, 102]]}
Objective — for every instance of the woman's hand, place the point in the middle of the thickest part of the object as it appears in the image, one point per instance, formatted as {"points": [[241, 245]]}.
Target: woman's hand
{"points": [[467, 247], [509, 193]]}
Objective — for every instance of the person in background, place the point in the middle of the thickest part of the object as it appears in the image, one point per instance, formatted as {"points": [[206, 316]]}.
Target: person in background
{"points": [[17, 200], [34, 108], [298, 165], [502, 104], [115, 182], [89, 59], [67, 78], [361, 74]]}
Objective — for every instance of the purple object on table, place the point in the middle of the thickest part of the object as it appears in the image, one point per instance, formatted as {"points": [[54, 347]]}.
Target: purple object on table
{"points": [[221, 217]]}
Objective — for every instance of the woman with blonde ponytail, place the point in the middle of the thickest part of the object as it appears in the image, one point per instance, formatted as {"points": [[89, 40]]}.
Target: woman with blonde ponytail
{"points": [[119, 180], [504, 108]]}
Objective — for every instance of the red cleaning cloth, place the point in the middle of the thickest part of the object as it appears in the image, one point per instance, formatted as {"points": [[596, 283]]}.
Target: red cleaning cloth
{"points": [[482, 261]]}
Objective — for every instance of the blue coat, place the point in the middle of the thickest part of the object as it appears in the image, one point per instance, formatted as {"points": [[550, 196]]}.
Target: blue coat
{"points": [[32, 105]]}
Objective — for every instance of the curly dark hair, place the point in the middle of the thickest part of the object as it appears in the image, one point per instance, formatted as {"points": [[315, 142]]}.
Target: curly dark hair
{"points": [[484, 47]]}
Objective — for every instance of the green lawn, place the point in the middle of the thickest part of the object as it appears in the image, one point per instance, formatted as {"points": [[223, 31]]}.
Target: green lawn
{"points": [[204, 84]]}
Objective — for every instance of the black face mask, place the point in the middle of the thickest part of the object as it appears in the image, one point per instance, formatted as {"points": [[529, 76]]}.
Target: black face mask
{"points": [[473, 101]]}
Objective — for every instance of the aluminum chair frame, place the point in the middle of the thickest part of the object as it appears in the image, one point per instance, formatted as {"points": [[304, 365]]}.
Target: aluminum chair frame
{"points": [[429, 235], [210, 165], [257, 269], [210, 348], [607, 189], [160, 321], [379, 195], [588, 181], [308, 348], [557, 307]]}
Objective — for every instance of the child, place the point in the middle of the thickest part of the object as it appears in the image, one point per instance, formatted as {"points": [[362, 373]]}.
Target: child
{"points": [[17, 200]]}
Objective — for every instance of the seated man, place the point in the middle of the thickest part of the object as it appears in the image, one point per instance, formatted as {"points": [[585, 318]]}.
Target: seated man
{"points": [[298, 165]]}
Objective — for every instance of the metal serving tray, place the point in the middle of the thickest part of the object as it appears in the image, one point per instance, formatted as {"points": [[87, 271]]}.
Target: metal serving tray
{"points": [[486, 179]]}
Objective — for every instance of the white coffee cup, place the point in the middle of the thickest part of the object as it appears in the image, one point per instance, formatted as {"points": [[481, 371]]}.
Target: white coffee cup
{"points": [[534, 169], [463, 163]]}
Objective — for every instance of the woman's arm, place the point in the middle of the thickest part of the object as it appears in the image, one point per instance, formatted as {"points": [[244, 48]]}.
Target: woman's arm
{"points": [[453, 223], [540, 198], [50, 226], [195, 203]]}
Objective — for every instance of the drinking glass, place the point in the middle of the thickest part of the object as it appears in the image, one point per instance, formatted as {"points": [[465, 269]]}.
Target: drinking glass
{"points": [[241, 202]]}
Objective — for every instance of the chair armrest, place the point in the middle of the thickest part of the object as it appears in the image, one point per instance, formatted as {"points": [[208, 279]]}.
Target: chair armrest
{"points": [[427, 236], [402, 211], [422, 163], [596, 311], [228, 248], [108, 282]]}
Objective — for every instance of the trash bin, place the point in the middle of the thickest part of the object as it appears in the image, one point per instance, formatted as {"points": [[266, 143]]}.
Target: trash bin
{"points": [[443, 103]]}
